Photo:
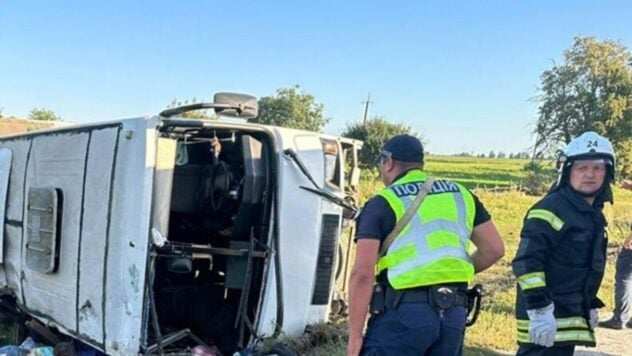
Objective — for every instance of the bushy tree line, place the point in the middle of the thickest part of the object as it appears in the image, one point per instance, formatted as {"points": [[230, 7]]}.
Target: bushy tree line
{"points": [[493, 154], [590, 90], [42, 114], [39, 114], [375, 132]]}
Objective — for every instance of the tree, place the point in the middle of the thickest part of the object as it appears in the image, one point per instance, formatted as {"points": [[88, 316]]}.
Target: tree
{"points": [[491, 154], [197, 114], [374, 133], [293, 108], [43, 115], [591, 90]]}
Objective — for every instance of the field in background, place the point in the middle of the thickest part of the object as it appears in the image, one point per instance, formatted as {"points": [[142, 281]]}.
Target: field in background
{"points": [[475, 172], [471, 172]]}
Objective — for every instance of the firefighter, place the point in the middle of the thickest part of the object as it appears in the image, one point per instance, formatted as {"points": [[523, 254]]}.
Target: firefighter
{"points": [[418, 304], [562, 253]]}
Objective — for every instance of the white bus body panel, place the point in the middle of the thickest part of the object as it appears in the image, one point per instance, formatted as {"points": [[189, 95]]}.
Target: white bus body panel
{"points": [[104, 173], [300, 221]]}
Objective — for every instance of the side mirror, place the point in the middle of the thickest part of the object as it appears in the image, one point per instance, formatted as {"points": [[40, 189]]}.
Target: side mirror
{"points": [[237, 105]]}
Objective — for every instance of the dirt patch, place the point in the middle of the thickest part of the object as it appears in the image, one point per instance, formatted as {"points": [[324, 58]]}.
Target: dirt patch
{"points": [[609, 342], [10, 126]]}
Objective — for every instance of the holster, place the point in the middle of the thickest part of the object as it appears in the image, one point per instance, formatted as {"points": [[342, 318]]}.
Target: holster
{"points": [[377, 299], [474, 298]]}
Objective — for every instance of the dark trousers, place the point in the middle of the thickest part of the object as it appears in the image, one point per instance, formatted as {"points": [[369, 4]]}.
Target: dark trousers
{"points": [[623, 285], [416, 329], [537, 350]]}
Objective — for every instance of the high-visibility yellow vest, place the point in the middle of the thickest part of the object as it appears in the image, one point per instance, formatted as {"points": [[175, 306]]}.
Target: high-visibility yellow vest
{"points": [[433, 247]]}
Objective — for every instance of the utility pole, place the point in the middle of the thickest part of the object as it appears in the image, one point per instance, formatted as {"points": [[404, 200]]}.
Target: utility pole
{"points": [[366, 109]]}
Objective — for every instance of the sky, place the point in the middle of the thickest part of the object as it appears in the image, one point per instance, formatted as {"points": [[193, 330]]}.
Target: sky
{"points": [[464, 74]]}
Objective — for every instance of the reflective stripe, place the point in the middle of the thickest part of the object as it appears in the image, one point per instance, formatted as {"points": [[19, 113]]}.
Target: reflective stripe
{"points": [[433, 247], [523, 337], [562, 336], [574, 322], [392, 259], [555, 222], [424, 253], [574, 335], [532, 280]]}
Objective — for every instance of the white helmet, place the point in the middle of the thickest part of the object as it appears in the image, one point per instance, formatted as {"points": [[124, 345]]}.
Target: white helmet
{"points": [[588, 146]]}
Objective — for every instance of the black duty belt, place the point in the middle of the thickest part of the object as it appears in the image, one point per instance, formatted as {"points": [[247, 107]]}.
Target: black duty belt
{"points": [[442, 297]]}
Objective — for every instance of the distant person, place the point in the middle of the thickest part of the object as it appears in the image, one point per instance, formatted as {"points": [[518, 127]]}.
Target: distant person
{"points": [[622, 284], [562, 253], [419, 302]]}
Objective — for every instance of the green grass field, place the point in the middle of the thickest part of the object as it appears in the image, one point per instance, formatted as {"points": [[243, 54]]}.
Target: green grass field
{"points": [[478, 172]]}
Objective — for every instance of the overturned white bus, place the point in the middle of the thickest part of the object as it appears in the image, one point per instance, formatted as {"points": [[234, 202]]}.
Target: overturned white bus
{"points": [[161, 233]]}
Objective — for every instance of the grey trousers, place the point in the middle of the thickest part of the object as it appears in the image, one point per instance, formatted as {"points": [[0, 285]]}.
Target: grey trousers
{"points": [[623, 285]]}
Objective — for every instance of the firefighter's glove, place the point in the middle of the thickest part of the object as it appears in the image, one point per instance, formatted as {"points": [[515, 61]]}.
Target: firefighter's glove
{"points": [[594, 318], [542, 326]]}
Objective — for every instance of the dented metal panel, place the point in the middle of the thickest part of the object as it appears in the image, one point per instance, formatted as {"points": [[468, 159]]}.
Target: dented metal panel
{"points": [[12, 247], [15, 199], [5, 169], [56, 160], [12, 258], [41, 231], [91, 272], [128, 237]]}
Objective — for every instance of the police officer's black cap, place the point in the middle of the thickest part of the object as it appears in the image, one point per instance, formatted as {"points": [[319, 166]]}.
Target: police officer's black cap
{"points": [[403, 148]]}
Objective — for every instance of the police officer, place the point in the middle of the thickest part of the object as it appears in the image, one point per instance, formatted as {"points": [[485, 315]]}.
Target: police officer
{"points": [[562, 254], [419, 303]]}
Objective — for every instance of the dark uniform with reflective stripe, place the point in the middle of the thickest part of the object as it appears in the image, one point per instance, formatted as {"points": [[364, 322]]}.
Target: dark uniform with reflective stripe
{"points": [[561, 259]]}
